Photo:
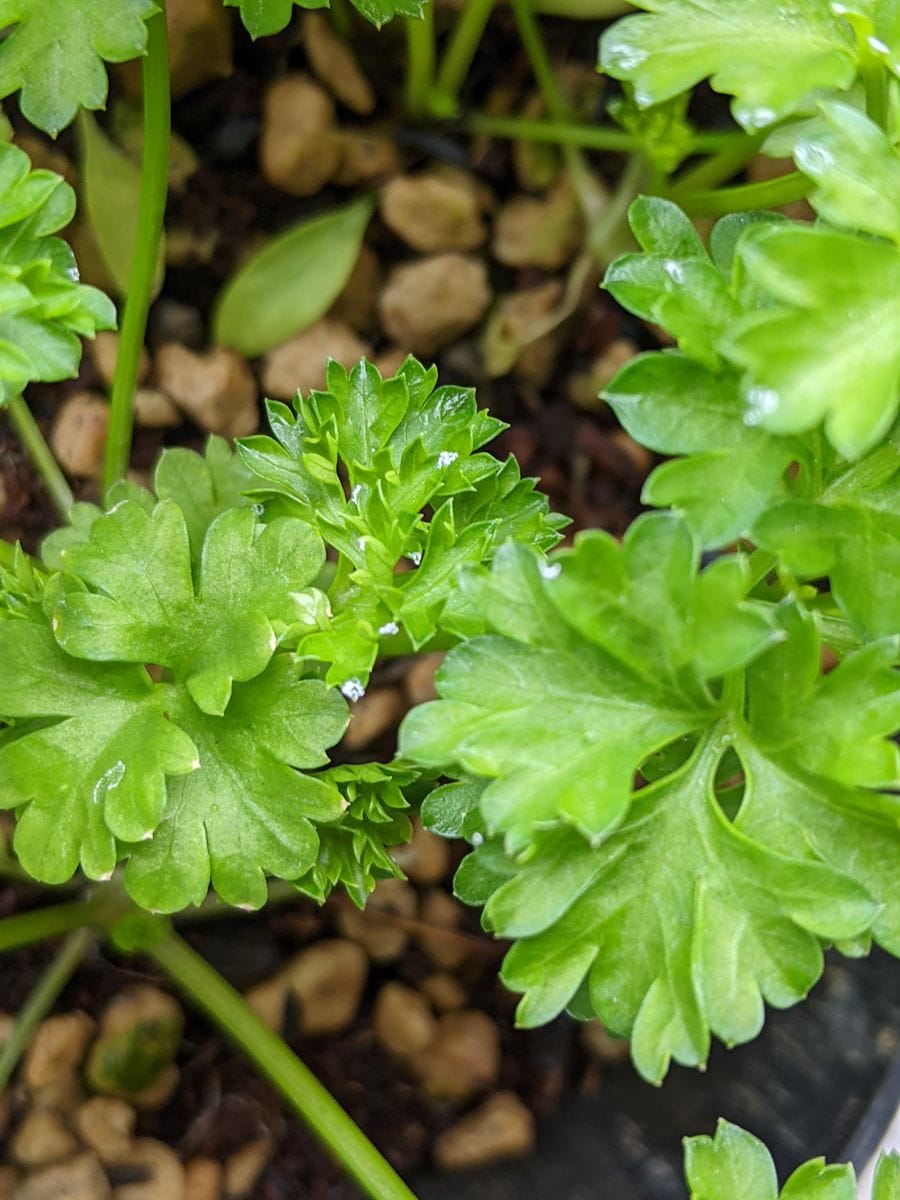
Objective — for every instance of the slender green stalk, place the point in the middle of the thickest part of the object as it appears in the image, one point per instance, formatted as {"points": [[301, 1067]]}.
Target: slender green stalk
{"points": [[100, 911], [42, 999], [318, 1108], [41, 455], [419, 61], [718, 168], [771, 193], [533, 43], [588, 137], [457, 57], [151, 215]]}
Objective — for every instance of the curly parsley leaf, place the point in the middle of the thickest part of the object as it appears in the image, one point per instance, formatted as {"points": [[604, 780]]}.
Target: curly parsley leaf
{"points": [[44, 311], [246, 811], [680, 42], [854, 165], [764, 835], [887, 1177], [829, 346], [354, 851], [146, 608], [265, 17], [56, 51], [674, 282], [582, 682], [727, 472], [94, 746], [851, 533], [402, 445], [735, 1163]]}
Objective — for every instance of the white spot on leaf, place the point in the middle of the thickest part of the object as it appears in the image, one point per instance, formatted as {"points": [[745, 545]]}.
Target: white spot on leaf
{"points": [[353, 690], [761, 403], [389, 629], [446, 458], [550, 570]]}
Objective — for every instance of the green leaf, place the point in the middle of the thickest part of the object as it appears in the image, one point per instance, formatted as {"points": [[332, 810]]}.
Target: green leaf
{"points": [[360, 462], [44, 311], [292, 281], [734, 43], [56, 51], [265, 17], [730, 472], [829, 348], [246, 811], [203, 486], [887, 1177], [733, 1163], [354, 850], [95, 765], [111, 185], [851, 536], [145, 607], [855, 166], [674, 283], [593, 672]]}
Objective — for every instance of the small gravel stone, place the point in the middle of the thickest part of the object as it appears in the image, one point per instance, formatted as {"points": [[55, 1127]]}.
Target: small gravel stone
{"points": [[462, 1059], [419, 681], [299, 149], [425, 858], [156, 1170], [78, 436], [367, 156], [104, 351], [154, 410], [383, 939], [243, 1168], [140, 1030], [216, 390], [42, 1138], [390, 361], [327, 980], [444, 991], [428, 303], [79, 1178], [402, 1020], [440, 915], [105, 1124], [517, 337], [434, 211], [357, 305], [199, 43], [56, 1049], [299, 365], [203, 1179], [502, 1127], [333, 61], [377, 712], [539, 232]]}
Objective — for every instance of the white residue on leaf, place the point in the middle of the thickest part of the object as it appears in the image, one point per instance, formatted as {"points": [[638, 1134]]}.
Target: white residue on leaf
{"points": [[415, 557], [354, 495], [352, 690], [105, 877], [446, 458], [247, 907], [389, 629], [627, 58], [148, 836], [674, 270], [550, 570], [477, 839], [361, 543], [761, 403], [109, 780], [195, 765]]}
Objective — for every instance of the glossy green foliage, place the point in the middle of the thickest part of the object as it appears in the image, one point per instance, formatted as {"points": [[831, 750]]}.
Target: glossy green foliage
{"points": [[56, 50], [292, 281], [44, 311], [775, 57], [735, 1163], [761, 831], [780, 326], [361, 462], [264, 17]]}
